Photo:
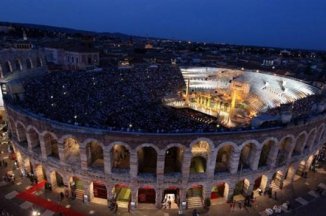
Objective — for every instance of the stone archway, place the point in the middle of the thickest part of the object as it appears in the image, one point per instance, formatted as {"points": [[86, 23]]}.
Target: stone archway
{"points": [[123, 195], [18, 65], [299, 145], [284, 152], [200, 155], [147, 160], [146, 194], [21, 134], [173, 160], [51, 146], [223, 157], [247, 156], [265, 154], [29, 64], [219, 191], [120, 158], [95, 158], [34, 140], [71, 151], [195, 196]]}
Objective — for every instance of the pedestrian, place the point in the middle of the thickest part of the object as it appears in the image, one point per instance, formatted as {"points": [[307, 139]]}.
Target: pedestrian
{"points": [[240, 205], [275, 195], [233, 205], [169, 204], [116, 207]]}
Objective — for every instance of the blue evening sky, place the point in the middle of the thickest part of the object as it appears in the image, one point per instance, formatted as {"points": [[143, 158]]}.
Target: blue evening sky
{"points": [[280, 23]]}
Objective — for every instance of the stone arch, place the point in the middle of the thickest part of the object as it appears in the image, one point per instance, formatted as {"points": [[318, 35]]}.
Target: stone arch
{"points": [[18, 65], [198, 164], [319, 134], [94, 153], [51, 144], [223, 157], [147, 194], [286, 146], [29, 63], [12, 127], [33, 138], [311, 139], [150, 152], [260, 182], [173, 158], [300, 143], [266, 157], [21, 132], [242, 187], [202, 140], [56, 179], [120, 157], [8, 67], [220, 190], [247, 155], [195, 193], [71, 151], [39, 62]]}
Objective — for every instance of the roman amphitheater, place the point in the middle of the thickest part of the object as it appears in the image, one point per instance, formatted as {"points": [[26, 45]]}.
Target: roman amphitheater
{"points": [[142, 167]]}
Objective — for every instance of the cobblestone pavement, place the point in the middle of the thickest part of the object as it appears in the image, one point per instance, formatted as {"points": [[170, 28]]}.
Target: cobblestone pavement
{"points": [[303, 199]]}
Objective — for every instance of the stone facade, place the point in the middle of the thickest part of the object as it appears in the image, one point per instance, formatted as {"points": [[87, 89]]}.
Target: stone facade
{"points": [[295, 143]]}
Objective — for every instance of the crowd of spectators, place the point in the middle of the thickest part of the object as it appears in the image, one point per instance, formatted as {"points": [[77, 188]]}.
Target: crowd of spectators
{"points": [[119, 99], [126, 99]]}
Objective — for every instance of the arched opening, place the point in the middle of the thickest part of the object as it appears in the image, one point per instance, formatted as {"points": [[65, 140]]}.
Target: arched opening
{"points": [[18, 65], [39, 62], [299, 144], [195, 196], [260, 185], [223, 159], [99, 191], [8, 67], [301, 169], [123, 195], [71, 152], [198, 164], [29, 64], [12, 128], [263, 159], [171, 198], [284, 151], [310, 140], [247, 156], [219, 192], [173, 160], [241, 189], [56, 181], [34, 140], [76, 188], [21, 135], [146, 194], [51, 146], [94, 152], [200, 152], [277, 180], [39, 173], [147, 159], [120, 157]]}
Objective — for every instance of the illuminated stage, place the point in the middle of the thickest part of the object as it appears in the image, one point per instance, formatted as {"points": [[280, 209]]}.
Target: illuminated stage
{"points": [[236, 96]]}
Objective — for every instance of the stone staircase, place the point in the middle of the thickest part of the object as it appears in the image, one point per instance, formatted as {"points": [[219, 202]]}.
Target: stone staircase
{"points": [[79, 194], [194, 202]]}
